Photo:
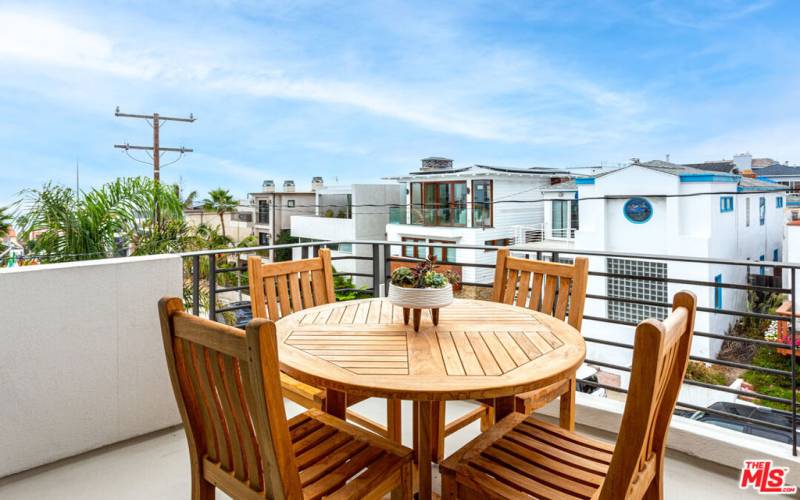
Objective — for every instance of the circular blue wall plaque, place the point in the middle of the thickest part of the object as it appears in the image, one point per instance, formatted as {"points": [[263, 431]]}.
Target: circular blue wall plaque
{"points": [[638, 210]]}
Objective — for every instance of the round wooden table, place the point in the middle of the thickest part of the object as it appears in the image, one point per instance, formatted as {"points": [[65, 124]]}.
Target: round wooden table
{"points": [[479, 350]]}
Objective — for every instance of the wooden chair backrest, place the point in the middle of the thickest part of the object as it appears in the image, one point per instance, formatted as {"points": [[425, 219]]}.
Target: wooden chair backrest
{"points": [[660, 355], [281, 288], [548, 287], [228, 391]]}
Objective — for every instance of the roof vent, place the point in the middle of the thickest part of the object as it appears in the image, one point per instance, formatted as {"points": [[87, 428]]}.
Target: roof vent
{"points": [[268, 186], [288, 186], [437, 163]]}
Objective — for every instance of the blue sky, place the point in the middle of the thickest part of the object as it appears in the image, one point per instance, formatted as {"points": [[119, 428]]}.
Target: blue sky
{"points": [[358, 91]]}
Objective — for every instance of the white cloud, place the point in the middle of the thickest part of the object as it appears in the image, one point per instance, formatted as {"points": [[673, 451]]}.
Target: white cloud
{"points": [[458, 103]]}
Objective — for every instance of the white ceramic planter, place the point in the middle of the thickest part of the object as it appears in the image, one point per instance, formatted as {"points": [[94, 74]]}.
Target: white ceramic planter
{"points": [[420, 298]]}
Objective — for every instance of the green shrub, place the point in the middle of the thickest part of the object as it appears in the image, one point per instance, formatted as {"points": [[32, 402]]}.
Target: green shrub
{"points": [[699, 372]]}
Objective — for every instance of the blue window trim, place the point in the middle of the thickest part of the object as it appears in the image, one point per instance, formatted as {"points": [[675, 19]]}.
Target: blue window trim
{"points": [[761, 268], [776, 255], [718, 292], [779, 202], [726, 204], [625, 210], [762, 211]]}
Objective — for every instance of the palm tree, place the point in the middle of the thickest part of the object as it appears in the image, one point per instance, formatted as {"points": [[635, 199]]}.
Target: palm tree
{"points": [[103, 222], [220, 201], [5, 221]]}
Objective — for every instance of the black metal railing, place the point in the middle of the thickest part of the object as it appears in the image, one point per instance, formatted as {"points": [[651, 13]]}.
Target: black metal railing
{"points": [[211, 273]]}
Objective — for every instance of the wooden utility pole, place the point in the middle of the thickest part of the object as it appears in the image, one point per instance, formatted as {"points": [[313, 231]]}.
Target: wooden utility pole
{"points": [[155, 121]]}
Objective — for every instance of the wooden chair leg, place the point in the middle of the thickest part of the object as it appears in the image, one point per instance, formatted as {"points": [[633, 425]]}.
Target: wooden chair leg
{"points": [[405, 490], [394, 425], [415, 429], [566, 417], [437, 439], [201, 489], [449, 485], [487, 419]]}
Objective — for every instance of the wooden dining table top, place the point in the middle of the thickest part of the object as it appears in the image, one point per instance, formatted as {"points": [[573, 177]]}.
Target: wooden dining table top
{"points": [[479, 350]]}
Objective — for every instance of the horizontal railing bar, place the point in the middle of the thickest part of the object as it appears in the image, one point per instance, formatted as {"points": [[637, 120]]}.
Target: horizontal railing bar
{"points": [[366, 275], [701, 359], [711, 310], [233, 308], [233, 289], [395, 258], [221, 270], [351, 257], [698, 260], [365, 290], [695, 407], [744, 340], [710, 284]]}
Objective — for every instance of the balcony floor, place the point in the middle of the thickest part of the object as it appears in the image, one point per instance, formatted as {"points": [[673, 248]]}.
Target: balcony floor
{"points": [[156, 466]]}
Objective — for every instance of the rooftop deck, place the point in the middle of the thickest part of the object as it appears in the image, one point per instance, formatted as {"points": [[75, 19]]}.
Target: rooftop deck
{"points": [[156, 466]]}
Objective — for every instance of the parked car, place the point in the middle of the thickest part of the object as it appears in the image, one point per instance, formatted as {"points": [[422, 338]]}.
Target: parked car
{"points": [[588, 373], [761, 413], [241, 316]]}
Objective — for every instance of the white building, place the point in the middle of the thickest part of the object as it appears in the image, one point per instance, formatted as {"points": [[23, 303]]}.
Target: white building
{"points": [[660, 208], [475, 205], [354, 212], [273, 209]]}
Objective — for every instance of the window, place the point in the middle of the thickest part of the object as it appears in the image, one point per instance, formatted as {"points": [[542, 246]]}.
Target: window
{"points": [[502, 242], [573, 212], [776, 255], [416, 203], [263, 239], [414, 251], [747, 212], [762, 210], [779, 202], [718, 292], [761, 268], [439, 203], [726, 204], [290, 203], [636, 289], [244, 216], [263, 212], [481, 203], [443, 254], [560, 219]]}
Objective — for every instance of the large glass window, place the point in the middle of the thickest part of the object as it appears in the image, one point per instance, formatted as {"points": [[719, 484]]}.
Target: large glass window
{"points": [[443, 255], [762, 210], [414, 251], [263, 212], [481, 203], [574, 215], [444, 203]]}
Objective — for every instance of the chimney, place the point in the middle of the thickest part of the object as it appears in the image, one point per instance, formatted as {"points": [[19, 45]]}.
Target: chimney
{"points": [[436, 163], [288, 186], [743, 163], [316, 183], [268, 186]]}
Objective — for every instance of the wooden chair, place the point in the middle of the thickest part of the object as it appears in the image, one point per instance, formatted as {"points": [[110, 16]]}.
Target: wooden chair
{"points": [[281, 288], [552, 288], [523, 456], [228, 392]]}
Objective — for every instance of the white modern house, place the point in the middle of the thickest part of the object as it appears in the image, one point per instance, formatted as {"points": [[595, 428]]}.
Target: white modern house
{"points": [[352, 212], [660, 208], [473, 205], [273, 209]]}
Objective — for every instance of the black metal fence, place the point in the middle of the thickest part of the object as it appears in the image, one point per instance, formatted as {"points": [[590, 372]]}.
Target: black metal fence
{"points": [[206, 269]]}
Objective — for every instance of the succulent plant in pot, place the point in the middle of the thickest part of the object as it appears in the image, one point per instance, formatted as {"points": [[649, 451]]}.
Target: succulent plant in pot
{"points": [[422, 287]]}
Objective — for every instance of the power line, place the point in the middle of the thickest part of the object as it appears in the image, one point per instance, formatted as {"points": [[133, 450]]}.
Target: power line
{"points": [[155, 120]]}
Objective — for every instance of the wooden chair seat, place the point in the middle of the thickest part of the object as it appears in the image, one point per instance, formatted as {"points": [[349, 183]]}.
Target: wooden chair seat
{"points": [[523, 455], [337, 460]]}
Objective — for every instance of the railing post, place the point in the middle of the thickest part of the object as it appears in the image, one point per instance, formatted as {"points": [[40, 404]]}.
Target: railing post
{"points": [[387, 267], [212, 287], [794, 367], [376, 270], [196, 285]]}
